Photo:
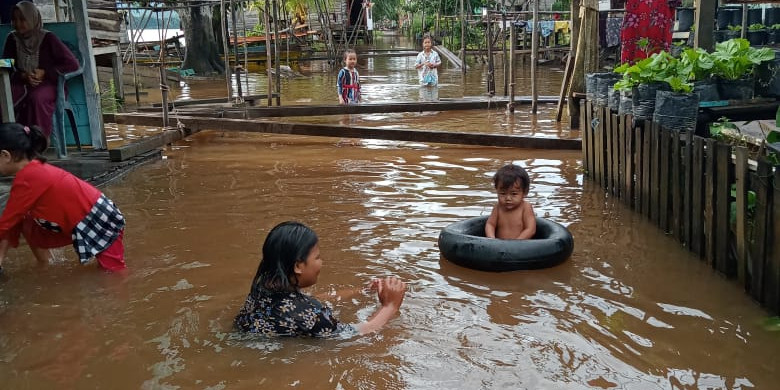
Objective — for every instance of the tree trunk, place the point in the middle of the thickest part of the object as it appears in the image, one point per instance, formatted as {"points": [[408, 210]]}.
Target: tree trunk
{"points": [[202, 53]]}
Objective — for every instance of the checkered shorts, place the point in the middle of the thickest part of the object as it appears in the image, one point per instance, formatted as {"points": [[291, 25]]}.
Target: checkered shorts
{"points": [[98, 230]]}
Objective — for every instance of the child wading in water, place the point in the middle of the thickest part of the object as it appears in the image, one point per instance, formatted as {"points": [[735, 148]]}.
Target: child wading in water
{"points": [[277, 307], [512, 217], [348, 82], [426, 64], [52, 208]]}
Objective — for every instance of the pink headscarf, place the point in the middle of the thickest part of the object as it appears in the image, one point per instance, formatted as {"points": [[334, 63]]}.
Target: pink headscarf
{"points": [[29, 43]]}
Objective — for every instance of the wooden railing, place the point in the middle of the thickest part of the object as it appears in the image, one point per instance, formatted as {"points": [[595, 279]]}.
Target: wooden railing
{"points": [[683, 183]]}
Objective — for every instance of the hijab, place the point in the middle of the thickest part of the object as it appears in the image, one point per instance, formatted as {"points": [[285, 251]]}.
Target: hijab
{"points": [[29, 43]]}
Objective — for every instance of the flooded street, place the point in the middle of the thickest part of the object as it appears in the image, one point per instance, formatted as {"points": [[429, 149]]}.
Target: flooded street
{"points": [[630, 309]]}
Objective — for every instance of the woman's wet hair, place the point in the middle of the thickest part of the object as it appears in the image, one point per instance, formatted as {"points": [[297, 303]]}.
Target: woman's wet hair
{"points": [[287, 243], [508, 175], [23, 141]]}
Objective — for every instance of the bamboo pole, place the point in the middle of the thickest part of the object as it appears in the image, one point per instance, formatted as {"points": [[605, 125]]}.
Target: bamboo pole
{"points": [[534, 56], [235, 52], [267, 22], [512, 41], [463, 37], [226, 49], [276, 51]]}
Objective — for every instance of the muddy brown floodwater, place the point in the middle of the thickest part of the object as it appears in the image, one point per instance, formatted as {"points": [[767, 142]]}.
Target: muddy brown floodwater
{"points": [[630, 309]]}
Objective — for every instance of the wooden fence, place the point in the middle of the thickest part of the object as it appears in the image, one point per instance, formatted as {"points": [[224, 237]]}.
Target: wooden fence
{"points": [[683, 184]]}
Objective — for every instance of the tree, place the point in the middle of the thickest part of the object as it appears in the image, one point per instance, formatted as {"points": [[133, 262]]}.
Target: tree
{"points": [[202, 54]]}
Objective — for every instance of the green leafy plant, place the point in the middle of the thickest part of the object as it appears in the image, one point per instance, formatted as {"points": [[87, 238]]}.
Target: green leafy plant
{"points": [[659, 67], [696, 64], [735, 58], [775, 26], [716, 128], [734, 28], [756, 27]]}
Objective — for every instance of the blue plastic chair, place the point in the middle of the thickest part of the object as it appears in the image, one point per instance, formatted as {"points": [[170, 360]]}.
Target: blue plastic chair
{"points": [[63, 108]]}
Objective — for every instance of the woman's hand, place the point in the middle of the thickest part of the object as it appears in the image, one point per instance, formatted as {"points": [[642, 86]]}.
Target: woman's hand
{"points": [[34, 78]]}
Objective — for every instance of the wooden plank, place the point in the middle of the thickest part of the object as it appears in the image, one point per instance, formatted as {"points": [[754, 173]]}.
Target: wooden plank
{"points": [[190, 102], [147, 144], [585, 135], [664, 188], [617, 153], [760, 248], [655, 172], [598, 149], [709, 201], [675, 175], [629, 160], [608, 150], [772, 278], [687, 189], [568, 70], [723, 261], [647, 156], [698, 169], [741, 180], [314, 129]]}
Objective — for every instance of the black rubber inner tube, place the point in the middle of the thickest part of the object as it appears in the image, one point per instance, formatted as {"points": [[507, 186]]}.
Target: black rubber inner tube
{"points": [[464, 243]]}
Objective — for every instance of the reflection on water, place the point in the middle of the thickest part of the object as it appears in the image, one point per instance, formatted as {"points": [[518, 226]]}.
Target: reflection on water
{"points": [[630, 309]]}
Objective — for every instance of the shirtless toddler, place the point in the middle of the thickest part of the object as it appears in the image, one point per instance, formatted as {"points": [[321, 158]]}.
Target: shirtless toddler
{"points": [[512, 217]]}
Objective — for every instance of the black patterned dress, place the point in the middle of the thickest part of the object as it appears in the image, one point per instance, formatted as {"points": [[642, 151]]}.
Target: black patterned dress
{"points": [[288, 313]]}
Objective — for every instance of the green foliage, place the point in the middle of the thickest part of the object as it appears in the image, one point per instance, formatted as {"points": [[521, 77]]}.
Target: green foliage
{"points": [[772, 324], [108, 100], [659, 67], [561, 5], [775, 27], [696, 64], [735, 58], [756, 27], [716, 128], [734, 28]]}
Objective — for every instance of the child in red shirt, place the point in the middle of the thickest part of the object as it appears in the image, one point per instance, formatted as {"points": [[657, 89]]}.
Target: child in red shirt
{"points": [[53, 208]]}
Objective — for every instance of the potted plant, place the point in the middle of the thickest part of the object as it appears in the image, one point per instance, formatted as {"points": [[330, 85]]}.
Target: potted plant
{"points": [[733, 31], [734, 63], [756, 34], [644, 79], [685, 15], [678, 107], [773, 32], [696, 65]]}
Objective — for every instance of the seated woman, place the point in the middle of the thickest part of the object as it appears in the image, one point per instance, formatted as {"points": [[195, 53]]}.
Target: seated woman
{"points": [[40, 57]]}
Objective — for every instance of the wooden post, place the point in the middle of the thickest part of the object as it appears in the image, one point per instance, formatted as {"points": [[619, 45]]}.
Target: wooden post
{"points": [[647, 156], [586, 54], [741, 177], [225, 50], [491, 78], [709, 202], [697, 197], [463, 38], [722, 210], [91, 86], [772, 278], [505, 62], [276, 51], [512, 38], [663, 174], [687, 189], [675, 174], [705, 14], [534, 56], [268, 62], [240, 96], [760, 248]]}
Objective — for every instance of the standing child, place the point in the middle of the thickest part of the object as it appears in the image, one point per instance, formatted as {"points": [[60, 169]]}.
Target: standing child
{"points": [[348, 83], [426, 64], [512, 217], [277, 307], [53, 208]]}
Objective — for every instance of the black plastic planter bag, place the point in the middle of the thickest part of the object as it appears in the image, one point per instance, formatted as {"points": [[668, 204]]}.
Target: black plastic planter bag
{"points": [[614, 100], [604, 83], [707, 90], [768, 77], [626, 103], [591, 85], [644, 99], [676, 111], [742, 89]]}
